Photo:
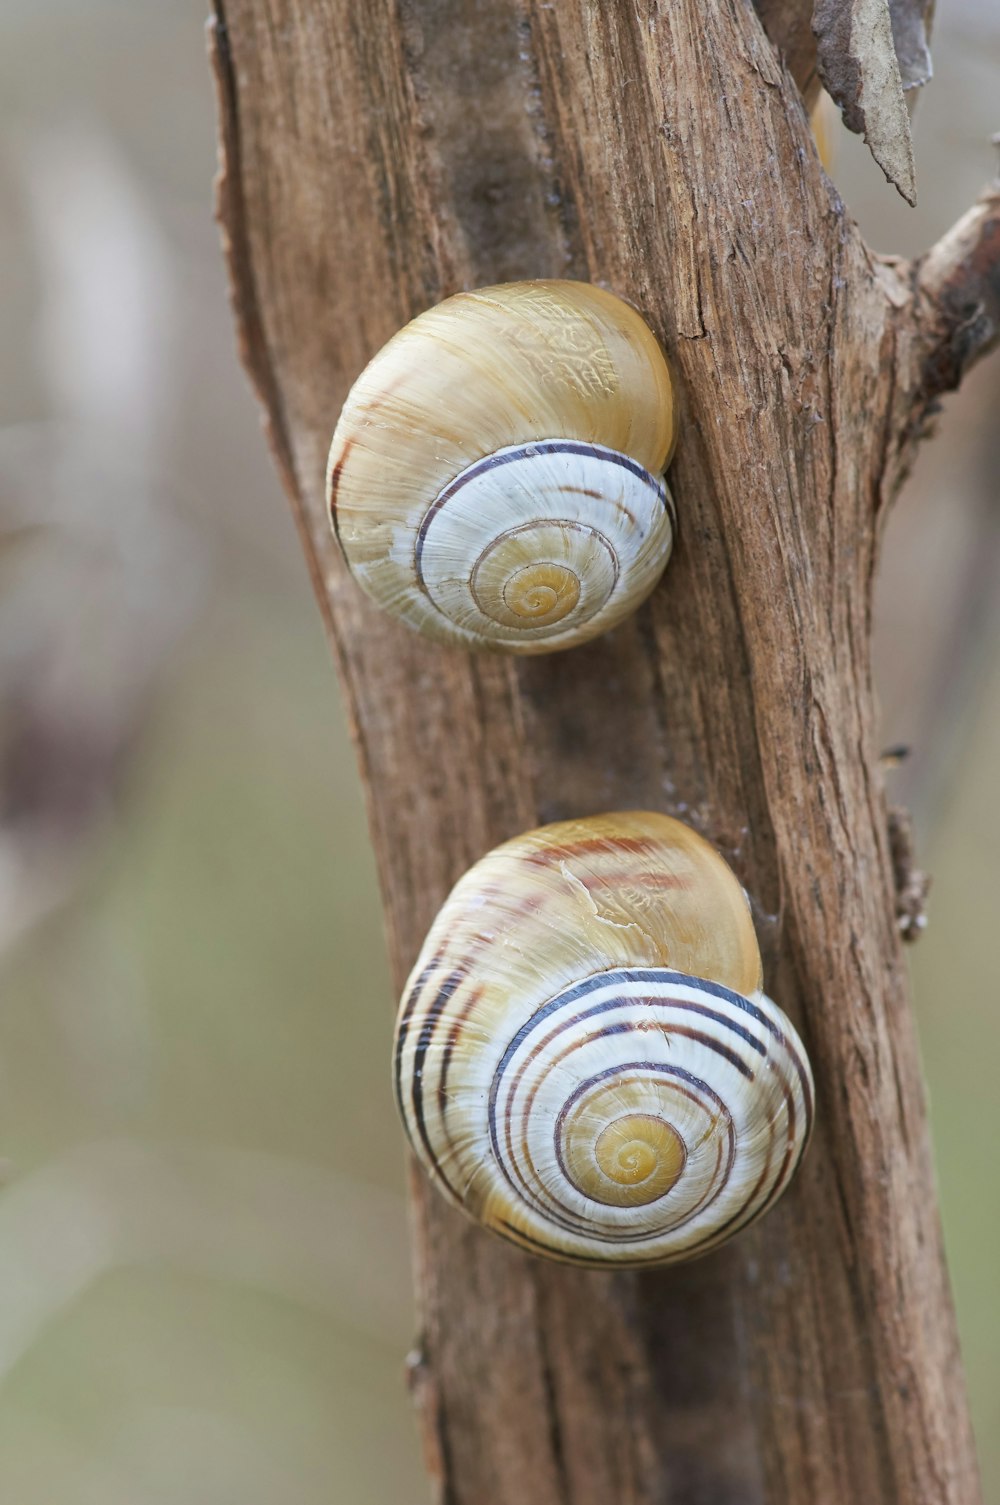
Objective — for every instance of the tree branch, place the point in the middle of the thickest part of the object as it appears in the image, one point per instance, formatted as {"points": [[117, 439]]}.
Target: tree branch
{"points": [[947, 317], [379, 155], [957, 284]]}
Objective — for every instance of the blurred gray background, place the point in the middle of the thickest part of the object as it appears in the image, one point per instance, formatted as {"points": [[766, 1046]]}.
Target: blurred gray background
{"points": [[204, 1292]]}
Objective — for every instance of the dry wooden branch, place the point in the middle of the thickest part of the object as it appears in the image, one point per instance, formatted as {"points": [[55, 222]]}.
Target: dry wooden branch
{"points": [[958, 284], [375, 158], [948, 317]]}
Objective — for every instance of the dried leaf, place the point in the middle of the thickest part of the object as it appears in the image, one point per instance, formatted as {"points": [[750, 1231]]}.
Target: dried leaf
{"points": [[909, 36], [857, 63]]}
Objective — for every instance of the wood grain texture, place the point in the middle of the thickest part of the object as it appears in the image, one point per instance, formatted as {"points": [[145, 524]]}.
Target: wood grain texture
{"points": [[376, 158]]}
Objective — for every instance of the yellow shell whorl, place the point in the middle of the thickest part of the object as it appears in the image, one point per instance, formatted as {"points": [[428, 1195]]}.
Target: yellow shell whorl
{"points": [[584, 1060], [561, 377]]}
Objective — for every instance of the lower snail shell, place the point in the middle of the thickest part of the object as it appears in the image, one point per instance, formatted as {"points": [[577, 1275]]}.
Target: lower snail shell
{"points": [[584, 1061], [495, 478]]}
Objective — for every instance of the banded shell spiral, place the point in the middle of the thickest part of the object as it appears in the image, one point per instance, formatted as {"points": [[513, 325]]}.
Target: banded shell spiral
{"points": [[584, 1061], [496, 475]]}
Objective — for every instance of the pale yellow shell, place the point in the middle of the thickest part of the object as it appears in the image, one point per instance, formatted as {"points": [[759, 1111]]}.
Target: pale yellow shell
{"points": [[495, 478], [584, 1060]]}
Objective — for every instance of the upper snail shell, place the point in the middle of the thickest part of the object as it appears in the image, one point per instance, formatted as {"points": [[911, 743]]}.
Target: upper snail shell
{"points": [[584, 1061], [495, 478]]}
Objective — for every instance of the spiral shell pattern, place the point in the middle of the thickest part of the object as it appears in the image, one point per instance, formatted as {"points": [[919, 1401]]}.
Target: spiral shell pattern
{"points": [[567, 1072], [495, 479]]}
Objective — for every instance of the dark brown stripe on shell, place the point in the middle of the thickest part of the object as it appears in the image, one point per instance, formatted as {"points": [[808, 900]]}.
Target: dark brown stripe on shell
{"points": [[335, 476], [427, 1029], [402, 1027], [454, 1034], [552, 854]]}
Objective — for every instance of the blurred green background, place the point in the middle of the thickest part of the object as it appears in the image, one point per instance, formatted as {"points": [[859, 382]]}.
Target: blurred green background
{"points": [[204, 1292]]}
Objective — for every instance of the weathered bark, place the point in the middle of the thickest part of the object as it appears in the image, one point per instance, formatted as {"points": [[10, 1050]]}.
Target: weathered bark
{"points": [[377, 157]]}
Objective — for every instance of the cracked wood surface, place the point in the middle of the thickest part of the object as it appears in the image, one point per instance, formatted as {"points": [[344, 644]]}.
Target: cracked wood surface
{"points": [[377, 157]]}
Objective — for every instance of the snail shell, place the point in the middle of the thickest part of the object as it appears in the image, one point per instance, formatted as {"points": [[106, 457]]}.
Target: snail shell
{"points": [[496, 476], [584, 1061]]}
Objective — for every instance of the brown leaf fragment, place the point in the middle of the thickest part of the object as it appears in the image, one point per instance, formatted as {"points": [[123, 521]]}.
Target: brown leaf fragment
{"points": [[909, 36], [857, 62]]}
